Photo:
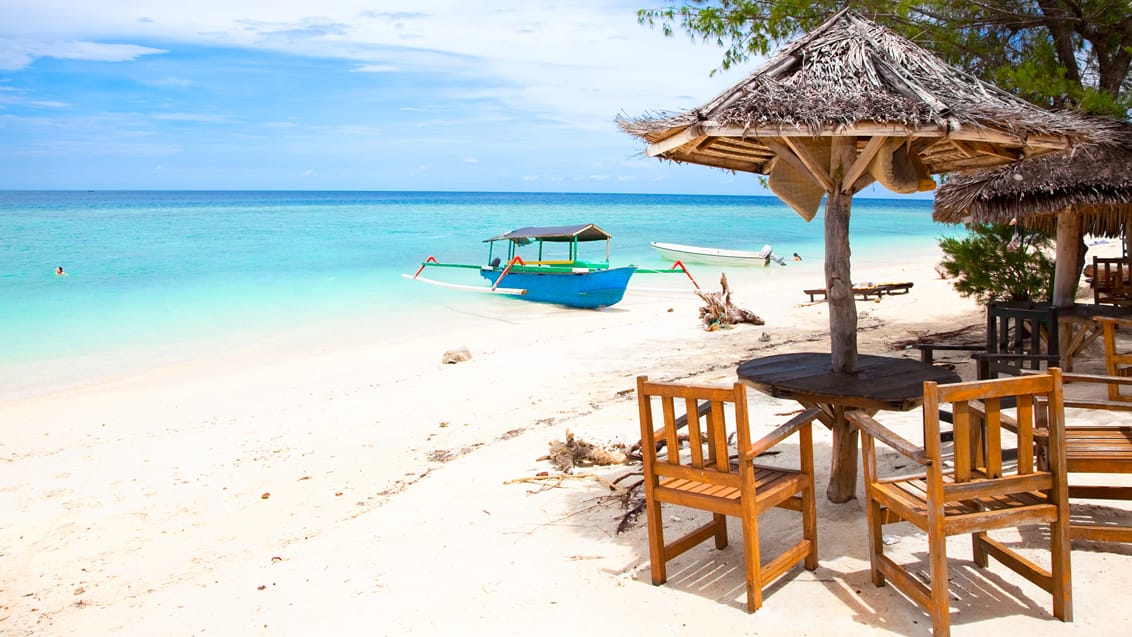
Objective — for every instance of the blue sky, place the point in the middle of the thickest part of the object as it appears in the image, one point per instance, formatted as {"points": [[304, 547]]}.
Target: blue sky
{"points": [[345, 95]]}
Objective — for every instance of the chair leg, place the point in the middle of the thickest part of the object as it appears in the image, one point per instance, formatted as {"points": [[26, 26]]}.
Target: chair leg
{"points": [[875, 518], [720, 522], [752, 560], [809, 498], [1060, 570], [657, 558], [939, 604], [978, 552], [810, 525]]}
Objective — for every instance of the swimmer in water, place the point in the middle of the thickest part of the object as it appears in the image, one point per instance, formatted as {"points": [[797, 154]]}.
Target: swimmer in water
{"points": [[59, 271]]}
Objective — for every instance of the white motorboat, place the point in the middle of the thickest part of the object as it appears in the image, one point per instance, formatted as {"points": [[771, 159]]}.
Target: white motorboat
{"points": [[717, 256]]}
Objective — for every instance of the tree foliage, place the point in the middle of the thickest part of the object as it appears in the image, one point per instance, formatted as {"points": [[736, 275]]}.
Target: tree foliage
{"points": [[1000, 262], [1054, 53]]}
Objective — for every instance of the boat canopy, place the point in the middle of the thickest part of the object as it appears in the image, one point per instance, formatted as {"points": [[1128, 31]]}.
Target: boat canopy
{"points": [[584, 232]]}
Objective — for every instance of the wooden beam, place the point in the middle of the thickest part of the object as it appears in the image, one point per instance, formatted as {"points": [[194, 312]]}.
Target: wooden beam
{"points": [[679, 139], [873, 129], [861, 164]]}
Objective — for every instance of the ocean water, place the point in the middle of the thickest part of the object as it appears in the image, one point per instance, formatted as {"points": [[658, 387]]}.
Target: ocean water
{"points": [[150, 270]]}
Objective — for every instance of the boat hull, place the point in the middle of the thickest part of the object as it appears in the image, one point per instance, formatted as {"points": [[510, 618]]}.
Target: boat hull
{"points": [[588, 289], [715, 256]]}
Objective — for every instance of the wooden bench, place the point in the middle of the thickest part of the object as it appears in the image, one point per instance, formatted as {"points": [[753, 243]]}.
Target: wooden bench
{"points": [[866, 291]]}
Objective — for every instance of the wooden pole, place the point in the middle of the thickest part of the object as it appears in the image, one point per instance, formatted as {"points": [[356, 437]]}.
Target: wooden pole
{"points": [[842, 314], [838, 281], [1066, 274]]}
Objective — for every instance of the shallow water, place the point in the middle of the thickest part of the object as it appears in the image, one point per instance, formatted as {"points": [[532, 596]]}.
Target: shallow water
{"points": [[154, 276]]}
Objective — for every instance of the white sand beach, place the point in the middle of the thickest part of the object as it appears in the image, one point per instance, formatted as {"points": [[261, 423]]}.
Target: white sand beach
{"points": [[372, 490]]}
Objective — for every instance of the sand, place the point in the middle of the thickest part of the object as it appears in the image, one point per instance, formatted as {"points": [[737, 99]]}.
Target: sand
{"points": [[368, 489]]}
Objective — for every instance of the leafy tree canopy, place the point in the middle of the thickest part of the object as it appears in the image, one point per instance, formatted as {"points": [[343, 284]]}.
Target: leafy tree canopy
{"points": [[1000, 262], [1054, 53]]}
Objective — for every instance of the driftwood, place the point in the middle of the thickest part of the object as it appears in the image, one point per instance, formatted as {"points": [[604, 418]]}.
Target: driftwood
{"points": [[575, 452], [720, 312]]}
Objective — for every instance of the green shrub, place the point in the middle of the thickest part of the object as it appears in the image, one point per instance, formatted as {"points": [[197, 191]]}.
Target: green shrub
{"points": [[1000, 262]]}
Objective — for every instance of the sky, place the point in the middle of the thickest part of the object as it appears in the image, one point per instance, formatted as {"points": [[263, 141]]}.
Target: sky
{"points": [[493, 95]]}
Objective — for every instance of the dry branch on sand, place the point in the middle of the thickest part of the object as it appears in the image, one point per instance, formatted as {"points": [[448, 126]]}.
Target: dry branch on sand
{"points": [[720, 312]]}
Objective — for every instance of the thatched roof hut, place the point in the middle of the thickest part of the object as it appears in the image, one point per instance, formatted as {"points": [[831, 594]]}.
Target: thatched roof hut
{"points": [[1084, 191], [1092, 181], [846, 105]]}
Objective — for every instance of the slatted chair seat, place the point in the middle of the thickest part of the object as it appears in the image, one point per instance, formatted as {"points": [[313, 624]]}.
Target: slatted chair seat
{"points": [[705, 477], [974, 491], [776, 488], [911, 495]]}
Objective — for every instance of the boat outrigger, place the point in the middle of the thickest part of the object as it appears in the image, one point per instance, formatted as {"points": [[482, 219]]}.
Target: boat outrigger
{"points": [[570, 281]]}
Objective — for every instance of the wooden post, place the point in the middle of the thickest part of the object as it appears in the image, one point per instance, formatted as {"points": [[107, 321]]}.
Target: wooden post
{"points": [[1066, 274], [842, 313], [843, 463], [842, 306]]}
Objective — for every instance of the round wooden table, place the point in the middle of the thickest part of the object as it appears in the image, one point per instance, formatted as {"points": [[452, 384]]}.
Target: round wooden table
{"points": [[881, 383]]}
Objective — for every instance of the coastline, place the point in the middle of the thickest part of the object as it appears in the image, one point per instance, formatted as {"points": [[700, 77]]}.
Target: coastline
{"points": [[358, 485]]}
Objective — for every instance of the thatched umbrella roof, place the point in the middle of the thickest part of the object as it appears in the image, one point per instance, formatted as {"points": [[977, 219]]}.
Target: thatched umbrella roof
{"points": [[1092, 181], [847, 104], [853, 78]]}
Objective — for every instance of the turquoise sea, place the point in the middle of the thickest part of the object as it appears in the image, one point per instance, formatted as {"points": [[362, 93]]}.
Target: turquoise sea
{"points": [[148, 270]]}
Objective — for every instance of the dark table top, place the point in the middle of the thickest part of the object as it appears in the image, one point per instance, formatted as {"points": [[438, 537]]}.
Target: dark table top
{"points": [[881, 382]]}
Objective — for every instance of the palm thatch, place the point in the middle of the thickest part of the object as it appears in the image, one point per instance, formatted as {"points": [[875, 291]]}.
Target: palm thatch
{"points": [[1092, 181], [852, 77]]}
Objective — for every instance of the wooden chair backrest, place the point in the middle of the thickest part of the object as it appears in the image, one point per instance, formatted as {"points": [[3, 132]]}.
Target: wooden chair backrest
{"points": [[1111, 284], [1019, 336], [980, 417], [708, 459], [1116, 362]]}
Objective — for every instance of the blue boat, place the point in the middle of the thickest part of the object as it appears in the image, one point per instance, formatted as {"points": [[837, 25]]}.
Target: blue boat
{"points": [[568, 280]]}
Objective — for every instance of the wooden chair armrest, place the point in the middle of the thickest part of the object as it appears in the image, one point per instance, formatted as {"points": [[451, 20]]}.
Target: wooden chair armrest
{"points": [[1097, 403], [782, 432], [1067, 377], [873, 428], [1049, 358], [1119, 321], [927, 350]]}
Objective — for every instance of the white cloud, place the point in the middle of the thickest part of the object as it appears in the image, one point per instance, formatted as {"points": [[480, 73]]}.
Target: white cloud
{"points": [[194, 117], [581, 62], [16, 54]]}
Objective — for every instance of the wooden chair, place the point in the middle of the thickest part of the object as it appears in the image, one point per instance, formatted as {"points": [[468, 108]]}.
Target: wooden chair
{"points": [[1019, 336], [1098, 451], [1111, 284], [705, 478], [976, 491], [1116, 363]]}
